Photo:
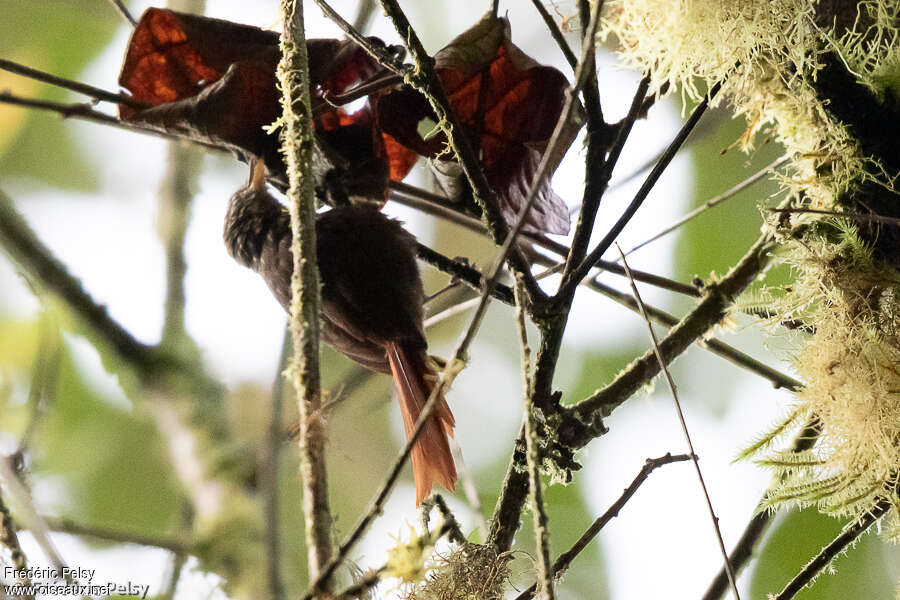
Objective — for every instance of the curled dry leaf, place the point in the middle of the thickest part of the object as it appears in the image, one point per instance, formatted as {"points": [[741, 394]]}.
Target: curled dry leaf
{"points": [[521, 103], [214, 81]]}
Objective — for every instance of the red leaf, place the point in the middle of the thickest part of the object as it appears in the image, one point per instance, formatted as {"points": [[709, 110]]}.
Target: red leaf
{"points": [[522, 103], [214, 80]]}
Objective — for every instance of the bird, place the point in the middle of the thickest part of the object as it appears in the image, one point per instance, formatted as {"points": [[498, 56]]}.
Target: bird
{"points": [[371, 308]]}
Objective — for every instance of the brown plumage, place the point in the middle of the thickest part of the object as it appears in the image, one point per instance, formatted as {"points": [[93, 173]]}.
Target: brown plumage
{"points": [[371, 303]]}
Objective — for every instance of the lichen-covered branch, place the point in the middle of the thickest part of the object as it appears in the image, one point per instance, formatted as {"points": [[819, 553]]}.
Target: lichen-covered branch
{"points": [[532, 459], [565, 559], [711, 309], [837, 546], [424, 78], [297, 145]]}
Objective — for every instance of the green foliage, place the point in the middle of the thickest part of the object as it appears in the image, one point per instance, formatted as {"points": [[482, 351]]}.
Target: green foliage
{"points": [[59, 38], [861, 573], [111, 458]]}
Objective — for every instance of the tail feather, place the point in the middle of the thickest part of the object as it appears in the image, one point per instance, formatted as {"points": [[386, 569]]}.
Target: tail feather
{"points": [[431, 458]]}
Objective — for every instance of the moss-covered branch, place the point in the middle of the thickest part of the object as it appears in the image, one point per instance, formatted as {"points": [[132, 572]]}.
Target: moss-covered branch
{"points": [[298, 145]]}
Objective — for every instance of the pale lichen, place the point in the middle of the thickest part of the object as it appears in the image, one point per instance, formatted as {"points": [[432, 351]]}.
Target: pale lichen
{"points": [[776, 61], [467, 572]]}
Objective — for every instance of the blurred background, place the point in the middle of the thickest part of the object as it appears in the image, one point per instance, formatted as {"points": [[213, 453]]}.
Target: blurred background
{"points": [[97, 450]]}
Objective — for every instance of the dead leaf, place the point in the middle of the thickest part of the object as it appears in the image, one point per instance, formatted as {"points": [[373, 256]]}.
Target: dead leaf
{"points": [[522, 102]]}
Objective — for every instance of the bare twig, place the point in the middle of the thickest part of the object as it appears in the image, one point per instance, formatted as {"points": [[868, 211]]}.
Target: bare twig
{"points": [[272, 476], [838, 545], [20, 242], [364, 13], [743, 550], [424, 78], [597, 253], [440, 207], [870, 218], [462, 272], [729, 353], [28, 515], [684, 429], [44, 375], [556, 33], [297, 143], [381, 54], [75, 86], [175, 198], [84, 112], [565, 559], [597, 182], [115, 535], [123, 12], [715, 201], [709, 311], [10, 540]]}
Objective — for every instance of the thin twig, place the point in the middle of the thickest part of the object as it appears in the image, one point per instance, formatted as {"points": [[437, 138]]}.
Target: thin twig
{"points": [[424, 78], [297, 143], [75, 86], [596, 182], [838, 545], [123, 11], [375, 84], [361, 587], [84, 112], [684, 428], [565, 559], [115, 535], [556, 33], [597, 253], [175, 199], [463, 272], [44, 376], [364, 13], [272, 474], [539, 521], [381, 54], [28, 515], [715, 201], [705, 315], [438, 206], [870, 218], [23, 246], [729, 353], [10, 540], [743, 550]]}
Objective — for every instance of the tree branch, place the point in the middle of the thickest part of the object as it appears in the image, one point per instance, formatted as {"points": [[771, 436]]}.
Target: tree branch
{"points": [[298, 143], [743, 550], [565, 559], [10, 539], [115, 535], [843, 541], [75, 86], [684, 428], [539, 521], [711, 309], [424, 79], [596, 254], [34, 258]]}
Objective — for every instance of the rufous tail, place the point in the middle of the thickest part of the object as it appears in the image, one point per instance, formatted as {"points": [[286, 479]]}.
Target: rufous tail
{"points": [[431, 458]]}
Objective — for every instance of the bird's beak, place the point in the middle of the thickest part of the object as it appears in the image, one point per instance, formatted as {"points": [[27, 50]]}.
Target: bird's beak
{"points": [[257, 175]]}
